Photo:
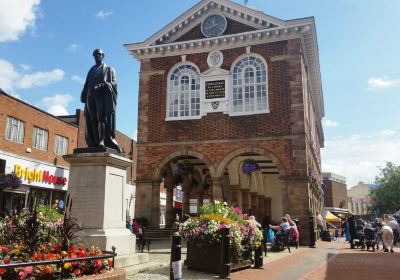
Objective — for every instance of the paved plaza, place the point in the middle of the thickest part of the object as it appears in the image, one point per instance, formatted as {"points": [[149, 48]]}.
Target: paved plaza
{"points": [[330, 260]]}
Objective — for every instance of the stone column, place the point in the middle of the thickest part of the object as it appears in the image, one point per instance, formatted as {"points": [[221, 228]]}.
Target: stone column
{"points": [[254, 204], [245, 200], [298, 204], [216, 189], [267, 207], [169, 215], [236, 196], [261, 210]]}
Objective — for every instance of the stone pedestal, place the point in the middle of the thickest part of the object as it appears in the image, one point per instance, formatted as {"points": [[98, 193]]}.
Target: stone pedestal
{"points": [[96, 187]]}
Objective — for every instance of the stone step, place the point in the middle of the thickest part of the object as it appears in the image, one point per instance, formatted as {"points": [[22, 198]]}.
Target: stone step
{"points": [[131, 270]]}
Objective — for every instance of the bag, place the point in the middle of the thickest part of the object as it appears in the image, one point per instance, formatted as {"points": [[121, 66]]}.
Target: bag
{"points": [[270, 235]]}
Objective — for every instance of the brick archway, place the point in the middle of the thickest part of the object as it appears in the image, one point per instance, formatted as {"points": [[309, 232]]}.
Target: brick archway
{"points": [[158, 172], [249, 149]]}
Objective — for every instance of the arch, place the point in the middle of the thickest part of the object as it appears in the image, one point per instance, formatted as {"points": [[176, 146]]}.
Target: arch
{"points": [[158, 172], [249, 149]]}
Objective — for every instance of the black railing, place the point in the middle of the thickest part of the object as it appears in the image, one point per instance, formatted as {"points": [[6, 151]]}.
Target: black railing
{"points": [[61, 262]]}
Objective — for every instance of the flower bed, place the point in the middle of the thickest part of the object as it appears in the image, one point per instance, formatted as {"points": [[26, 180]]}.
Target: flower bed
{"points": [[204, 236], [30, 238]]}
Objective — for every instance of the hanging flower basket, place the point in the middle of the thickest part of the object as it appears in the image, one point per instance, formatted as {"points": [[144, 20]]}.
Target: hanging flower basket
{"points": [[250, 166], [10, 181]]}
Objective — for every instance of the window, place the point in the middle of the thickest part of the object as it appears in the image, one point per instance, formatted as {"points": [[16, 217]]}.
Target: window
{"points": [[249, 86], [61, 145], [39, 138], [184, 92], [15, 130]]}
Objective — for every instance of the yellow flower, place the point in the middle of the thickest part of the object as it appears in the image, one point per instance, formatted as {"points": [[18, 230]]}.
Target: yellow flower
{"points": [[67, 265]]}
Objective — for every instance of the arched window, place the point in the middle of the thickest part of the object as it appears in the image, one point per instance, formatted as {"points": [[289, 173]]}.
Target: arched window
{"points": [[183, 92], [249, 86]]}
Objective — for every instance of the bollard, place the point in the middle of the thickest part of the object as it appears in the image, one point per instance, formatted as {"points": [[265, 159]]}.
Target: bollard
{"points": [[258, 257], [175, 263], [312, 233], [225, 270]]}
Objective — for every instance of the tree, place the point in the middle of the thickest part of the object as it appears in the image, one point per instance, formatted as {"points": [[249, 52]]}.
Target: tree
{"points": [[386, 197]]}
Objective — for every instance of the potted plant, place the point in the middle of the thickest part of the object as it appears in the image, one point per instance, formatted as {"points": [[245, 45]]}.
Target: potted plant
{"points": [[203, 236]]}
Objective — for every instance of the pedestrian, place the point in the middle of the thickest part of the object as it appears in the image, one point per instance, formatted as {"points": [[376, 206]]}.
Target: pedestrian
{"points": [[377, 226], [387, 238], [352, 230], [320, 221], [395, 227], [294, 227]]}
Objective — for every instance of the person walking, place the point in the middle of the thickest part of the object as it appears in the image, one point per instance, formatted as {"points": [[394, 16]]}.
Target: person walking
{"points": [[387, 238], [395, 227], [352, 230]]}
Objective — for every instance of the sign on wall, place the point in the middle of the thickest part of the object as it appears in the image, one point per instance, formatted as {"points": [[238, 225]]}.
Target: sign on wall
{"points": [[38, 174], [215, 89]]}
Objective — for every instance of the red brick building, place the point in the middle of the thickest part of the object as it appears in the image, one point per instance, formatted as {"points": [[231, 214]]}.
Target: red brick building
{"points": [[335, 190], [220, 85], [33, 142]]}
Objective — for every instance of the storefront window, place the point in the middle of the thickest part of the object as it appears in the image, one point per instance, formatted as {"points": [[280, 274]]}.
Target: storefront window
{"points": [[11, 202]]}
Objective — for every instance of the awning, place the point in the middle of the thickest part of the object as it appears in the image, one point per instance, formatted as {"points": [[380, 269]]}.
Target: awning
{"points": [[331, 218]]}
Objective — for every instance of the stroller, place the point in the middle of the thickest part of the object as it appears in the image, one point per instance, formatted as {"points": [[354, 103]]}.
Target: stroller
{"points": [[359, 239], [370, 238]]}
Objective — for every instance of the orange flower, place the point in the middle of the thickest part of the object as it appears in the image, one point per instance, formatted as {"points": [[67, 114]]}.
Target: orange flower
{"points": [[48, 269]]}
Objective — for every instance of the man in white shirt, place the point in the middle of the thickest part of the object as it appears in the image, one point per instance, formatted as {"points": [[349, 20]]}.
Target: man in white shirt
{"points": [[395, 227]]}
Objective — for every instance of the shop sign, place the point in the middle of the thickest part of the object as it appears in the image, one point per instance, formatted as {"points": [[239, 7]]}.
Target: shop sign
{"points": [[39, 176], [215, 89]]}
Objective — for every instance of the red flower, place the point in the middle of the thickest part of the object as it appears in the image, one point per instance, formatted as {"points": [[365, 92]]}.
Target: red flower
{"points": [[77, 272], [7, 261]]}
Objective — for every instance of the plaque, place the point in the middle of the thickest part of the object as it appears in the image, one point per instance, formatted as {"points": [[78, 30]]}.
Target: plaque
{"points": [[215, 89]]}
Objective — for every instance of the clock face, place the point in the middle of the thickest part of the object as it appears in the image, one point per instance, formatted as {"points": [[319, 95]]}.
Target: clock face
{"points": [[214, 25]]}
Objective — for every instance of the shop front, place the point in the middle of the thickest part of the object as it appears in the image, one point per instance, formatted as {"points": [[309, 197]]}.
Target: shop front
{"points": [[47, 183]]}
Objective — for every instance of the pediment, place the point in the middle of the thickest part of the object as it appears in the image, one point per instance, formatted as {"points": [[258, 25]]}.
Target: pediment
{"points": [[187, 26], [215, 71]]}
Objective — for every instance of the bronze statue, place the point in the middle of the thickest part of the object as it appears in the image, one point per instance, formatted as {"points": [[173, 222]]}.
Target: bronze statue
{"points": [[100, 97]]}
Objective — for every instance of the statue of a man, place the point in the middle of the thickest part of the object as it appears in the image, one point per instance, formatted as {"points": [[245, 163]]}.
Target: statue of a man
{"points": [[100, 97]]}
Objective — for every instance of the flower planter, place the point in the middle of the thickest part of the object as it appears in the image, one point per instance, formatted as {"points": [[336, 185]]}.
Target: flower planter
{"points": [[208, 258], [115, 274]]}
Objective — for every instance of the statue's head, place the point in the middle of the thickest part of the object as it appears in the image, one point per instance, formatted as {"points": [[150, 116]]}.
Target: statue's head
{"points": [[98, 55]]}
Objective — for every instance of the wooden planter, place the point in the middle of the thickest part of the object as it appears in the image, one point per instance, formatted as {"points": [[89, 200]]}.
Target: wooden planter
{"points": [[208, 258], [116, 274]]}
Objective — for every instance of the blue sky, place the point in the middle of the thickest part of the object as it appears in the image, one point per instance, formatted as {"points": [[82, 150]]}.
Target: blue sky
{"points": [[46, 50]]}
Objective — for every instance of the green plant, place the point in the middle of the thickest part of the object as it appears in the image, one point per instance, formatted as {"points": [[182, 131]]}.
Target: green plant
{"points": [[49, 213]]}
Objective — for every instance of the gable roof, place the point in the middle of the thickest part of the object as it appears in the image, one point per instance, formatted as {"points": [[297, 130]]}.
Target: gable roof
{"points": [[267, 29]]}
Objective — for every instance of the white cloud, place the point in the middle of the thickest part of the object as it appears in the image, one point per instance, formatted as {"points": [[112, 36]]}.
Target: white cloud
{"points": [[25, 67], [104, 14], [40, 79], [8, 75], [383, 83], [16, 16], [57, 104], [78, 79], [329, 123], [10, 78], [359, 157], [72, 48]]}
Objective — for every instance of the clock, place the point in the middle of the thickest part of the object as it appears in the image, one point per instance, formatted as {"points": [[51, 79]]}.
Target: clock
{"points": [[215, 59], [214, 25]]}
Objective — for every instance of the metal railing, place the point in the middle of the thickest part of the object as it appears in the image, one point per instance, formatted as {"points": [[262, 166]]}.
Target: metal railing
{"points": [[62, 261]]}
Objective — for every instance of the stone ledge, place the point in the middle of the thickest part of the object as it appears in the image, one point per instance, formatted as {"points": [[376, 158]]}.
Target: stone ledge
{"points": [[116, 274]]}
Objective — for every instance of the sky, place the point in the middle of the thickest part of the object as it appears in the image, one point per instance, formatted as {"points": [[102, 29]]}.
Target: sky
{"points": [[46, 51]]}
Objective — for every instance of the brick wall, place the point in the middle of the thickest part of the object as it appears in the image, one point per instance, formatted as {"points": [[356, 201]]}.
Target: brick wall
{"points": [[335, 193], [34, 117]]}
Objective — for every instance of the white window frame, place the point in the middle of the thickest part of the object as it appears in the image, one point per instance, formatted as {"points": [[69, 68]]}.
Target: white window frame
{"points": [[179, 94], [236, 88], [40, 138], [15, 130], [61, 145]]}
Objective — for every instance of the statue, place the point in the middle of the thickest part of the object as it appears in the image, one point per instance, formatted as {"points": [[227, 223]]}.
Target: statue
{"points": [[100, 97]]}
